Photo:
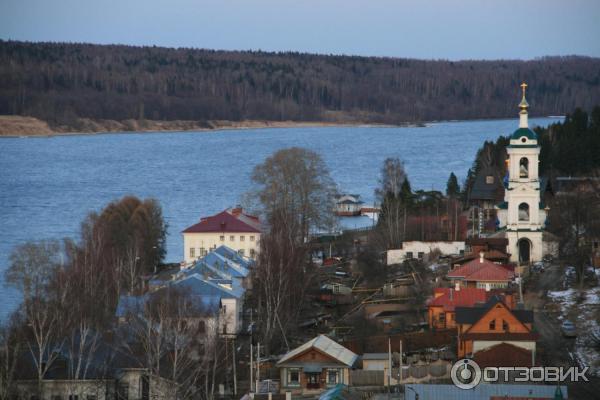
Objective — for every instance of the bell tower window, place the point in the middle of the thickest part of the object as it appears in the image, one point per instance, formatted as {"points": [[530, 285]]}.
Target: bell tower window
{"points": [[523, 212], [524, 167]]}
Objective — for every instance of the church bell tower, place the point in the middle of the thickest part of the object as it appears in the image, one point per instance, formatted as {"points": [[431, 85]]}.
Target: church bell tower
{"points": [[523, 213]]}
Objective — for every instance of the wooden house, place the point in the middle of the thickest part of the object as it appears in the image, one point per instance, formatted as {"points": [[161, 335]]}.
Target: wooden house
{"points": [[483, 327], [316, 366]]}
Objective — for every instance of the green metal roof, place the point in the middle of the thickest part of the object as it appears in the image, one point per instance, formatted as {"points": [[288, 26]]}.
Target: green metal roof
{"points": [[524, 132]]}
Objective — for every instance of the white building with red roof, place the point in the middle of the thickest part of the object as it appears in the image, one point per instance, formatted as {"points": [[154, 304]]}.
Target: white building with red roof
{"points": [[232, 227]]}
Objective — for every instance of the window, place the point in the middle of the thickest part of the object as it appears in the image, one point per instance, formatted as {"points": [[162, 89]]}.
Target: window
{"points": [[332, 376], [493, 325], [222, 238], [293, 377], [489, 180], [90, 397], [524, 168], [596, 245], [231, 238], [242, 238], [241, 252], [73, 397], [409, 255], [442, 317], [504, 326], [252, 253], [420, 255], [252, 238], [202, 252], [523, 212], [192, 252]]}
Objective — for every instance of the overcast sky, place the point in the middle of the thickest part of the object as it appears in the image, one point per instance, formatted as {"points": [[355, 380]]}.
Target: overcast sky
{"points": [[451, 29]]}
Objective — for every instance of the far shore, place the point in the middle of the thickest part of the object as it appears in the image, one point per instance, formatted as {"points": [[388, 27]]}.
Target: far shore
{"points": [[20, 126]]}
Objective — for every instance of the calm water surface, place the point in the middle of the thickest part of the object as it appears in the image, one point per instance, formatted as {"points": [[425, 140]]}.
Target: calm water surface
{"points": [[48, 185]]}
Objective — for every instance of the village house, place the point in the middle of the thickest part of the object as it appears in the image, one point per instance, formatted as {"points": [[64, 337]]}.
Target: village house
{"points": [[483, 327], [493, 249], [487, 191], [441, 308], [222, 264], [107, 378], [420, 249], [232, 227], [348, 205], [316, 366], [481, 273]]}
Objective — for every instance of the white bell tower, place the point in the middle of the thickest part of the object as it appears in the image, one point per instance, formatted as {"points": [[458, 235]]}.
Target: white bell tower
{"points": [[523, 211]]}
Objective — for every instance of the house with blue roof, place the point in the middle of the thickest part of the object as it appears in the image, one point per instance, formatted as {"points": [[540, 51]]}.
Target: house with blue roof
{"points": [[223, 263], [229, 293]]}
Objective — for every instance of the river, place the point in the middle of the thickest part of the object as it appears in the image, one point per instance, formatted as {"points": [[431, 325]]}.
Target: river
{"points": [[49, 184]]}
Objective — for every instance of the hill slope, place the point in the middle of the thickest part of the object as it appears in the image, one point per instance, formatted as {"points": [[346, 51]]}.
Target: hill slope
{"points": [[61, 83]]}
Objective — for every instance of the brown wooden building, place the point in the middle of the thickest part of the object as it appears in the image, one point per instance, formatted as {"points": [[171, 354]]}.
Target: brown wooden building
{"points": [[316, 366]]}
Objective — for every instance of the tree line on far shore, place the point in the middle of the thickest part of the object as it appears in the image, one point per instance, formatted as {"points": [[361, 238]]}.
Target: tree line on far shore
{"points": [[64, 82]]}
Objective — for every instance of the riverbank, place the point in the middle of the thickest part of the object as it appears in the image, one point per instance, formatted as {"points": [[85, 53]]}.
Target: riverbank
{"points": [[20, 126]]}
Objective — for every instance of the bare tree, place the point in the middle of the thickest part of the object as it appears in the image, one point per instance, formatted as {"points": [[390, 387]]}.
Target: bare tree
{"points": [[10, 349], [173, 336], [394, 195], [575, 218], [296, 196], [33, 266]]}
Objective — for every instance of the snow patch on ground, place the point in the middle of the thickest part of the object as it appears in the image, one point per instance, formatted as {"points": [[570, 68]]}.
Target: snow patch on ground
{"points": [[583, 308]]}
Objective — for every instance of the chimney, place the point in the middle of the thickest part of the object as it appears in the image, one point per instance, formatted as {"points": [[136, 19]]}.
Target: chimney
{"points": [[237, 210], [457, 286], [481, 253]]}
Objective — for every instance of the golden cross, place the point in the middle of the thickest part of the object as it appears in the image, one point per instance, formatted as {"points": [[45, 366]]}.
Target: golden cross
{"points": [[523, 86]]}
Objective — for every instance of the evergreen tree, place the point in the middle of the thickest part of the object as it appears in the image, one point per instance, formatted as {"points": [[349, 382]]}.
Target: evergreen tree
{"points": [[452, 187]]}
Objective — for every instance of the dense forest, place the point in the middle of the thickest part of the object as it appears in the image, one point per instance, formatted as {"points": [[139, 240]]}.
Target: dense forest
{"points": [[60, 82]]}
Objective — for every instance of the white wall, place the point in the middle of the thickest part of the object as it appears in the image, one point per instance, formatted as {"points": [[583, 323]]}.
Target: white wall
{"points": [[211, 240], [397, 256], [232, 317], [479, 345]]}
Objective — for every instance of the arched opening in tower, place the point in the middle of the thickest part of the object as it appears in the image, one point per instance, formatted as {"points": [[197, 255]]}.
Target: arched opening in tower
{"points": [[523, 212], [524, 250], [524, 168]]}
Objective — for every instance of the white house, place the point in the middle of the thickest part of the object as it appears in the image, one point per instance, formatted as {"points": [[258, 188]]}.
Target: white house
{"points": [[522, 213], [418, 250], [348, 205], [232, 227]]}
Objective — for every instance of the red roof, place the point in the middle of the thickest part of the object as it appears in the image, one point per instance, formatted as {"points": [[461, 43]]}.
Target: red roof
{"points": [[481, 270], [230, 220], [465, 297]]}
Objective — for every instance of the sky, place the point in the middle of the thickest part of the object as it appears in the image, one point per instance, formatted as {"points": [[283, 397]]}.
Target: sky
{"points": [[427, 29]]}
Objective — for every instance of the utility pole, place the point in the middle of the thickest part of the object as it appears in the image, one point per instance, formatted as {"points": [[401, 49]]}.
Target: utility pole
{"points": [[251, 368], [256, 388], [400, 371], [389, 365], [234, 371]]}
